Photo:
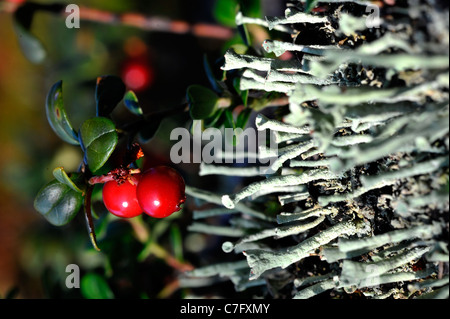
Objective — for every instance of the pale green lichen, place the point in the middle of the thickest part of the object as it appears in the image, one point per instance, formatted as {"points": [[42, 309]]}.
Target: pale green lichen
{"points": [[359, 178], [263, 260]]}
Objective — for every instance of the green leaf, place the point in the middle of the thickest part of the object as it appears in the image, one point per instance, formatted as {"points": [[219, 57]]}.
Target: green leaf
{"points": [[94, 286], [244, 34], [310, 4], [62, 177], [32, 48], [58, 203], [242, 94], [251, 8], [132, 103], [243, 117], [216, 120], [57, 116], [203, 102], [109, 92], [99, 138], [225, 12], [177, 242], [210, 75], [230, 123], [147, 132], [229, 120]]}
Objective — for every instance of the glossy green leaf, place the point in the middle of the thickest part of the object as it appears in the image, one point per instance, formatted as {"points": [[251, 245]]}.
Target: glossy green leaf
{"points": [[99, 138], [109, 91], [58, 203], [132, 103], [225, 12], [57, 116], [203, 102], [60, 174], [94, 286]]}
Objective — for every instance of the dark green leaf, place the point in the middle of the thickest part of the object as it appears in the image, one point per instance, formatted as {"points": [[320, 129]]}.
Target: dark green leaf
{"points": [[58, 203], [251, 8], [216, 120], [203, 102], [177, 242], [210, 75], [243, 117], [132, 103], [62, 177], [225, 12], [94, 286], [99, 138], [244, 34], [57, 116], [230, 123], [31, 47], [242, 94], [149, 130], [109, 92]]}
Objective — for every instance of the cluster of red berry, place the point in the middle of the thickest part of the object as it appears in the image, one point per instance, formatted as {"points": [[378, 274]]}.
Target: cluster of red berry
{"points": [[158, 192]]}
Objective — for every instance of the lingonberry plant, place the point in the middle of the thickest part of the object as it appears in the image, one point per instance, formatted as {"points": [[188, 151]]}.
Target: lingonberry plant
{"points": [[106, 162], [356, 205]]}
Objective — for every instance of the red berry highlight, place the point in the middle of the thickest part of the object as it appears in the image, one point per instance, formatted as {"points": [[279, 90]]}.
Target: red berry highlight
{"points": [[161, 191], [120, 199]]}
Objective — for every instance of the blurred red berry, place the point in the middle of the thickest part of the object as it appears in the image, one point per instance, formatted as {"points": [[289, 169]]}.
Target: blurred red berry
{"points": [[137, 76]]}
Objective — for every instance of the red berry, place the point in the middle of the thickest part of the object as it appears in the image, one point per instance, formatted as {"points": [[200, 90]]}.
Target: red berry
{"points": [[161, 191], [137, 76], [120, 199]]}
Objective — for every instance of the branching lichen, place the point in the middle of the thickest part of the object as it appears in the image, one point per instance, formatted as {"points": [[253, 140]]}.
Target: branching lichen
{"points": [[359, 180]]}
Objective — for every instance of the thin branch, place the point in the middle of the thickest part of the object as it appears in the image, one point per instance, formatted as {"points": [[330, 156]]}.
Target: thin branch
{"points": [[140, 21]]}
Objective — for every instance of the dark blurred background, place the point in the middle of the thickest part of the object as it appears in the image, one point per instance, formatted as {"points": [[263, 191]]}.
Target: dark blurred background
{"points": [[159, 66]]}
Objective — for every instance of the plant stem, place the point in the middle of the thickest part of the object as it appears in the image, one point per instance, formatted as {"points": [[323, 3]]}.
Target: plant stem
{"points": [[143, 22], [88, 215]]}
